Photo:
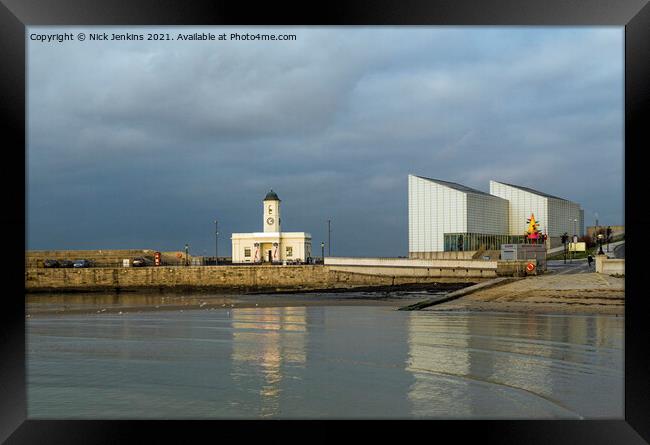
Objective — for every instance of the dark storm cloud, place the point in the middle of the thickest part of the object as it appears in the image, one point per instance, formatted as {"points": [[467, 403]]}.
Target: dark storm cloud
{"points": [[143, 144]]}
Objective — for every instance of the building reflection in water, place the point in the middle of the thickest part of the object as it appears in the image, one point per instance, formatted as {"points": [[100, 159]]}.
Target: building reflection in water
{"points": [[515, 365], [438, 353], [267, 344]]}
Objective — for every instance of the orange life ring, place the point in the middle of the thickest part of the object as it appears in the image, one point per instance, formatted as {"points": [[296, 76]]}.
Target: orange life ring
{"points": [[530, 267]]}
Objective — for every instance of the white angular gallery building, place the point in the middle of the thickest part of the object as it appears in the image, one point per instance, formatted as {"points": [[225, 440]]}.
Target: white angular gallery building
{"points": [[445, 216]]}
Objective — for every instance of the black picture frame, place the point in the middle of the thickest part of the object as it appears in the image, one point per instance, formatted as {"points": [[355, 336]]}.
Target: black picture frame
{"points": [[15, 15]]}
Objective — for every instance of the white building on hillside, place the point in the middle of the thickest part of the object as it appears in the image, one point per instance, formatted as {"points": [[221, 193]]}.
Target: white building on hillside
{"points": [[555, 215], [445, 216], [272, 245]]}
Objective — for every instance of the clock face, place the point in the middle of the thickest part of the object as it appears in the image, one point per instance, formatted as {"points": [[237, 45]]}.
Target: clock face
{"points": [[269, 221]]}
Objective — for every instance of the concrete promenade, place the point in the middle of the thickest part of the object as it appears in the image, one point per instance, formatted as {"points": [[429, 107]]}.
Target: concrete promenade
{"points": [[479, 270], [476, 269]]}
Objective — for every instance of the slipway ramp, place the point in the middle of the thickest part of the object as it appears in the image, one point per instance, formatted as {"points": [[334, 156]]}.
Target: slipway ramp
{"points": [[459, 293]]}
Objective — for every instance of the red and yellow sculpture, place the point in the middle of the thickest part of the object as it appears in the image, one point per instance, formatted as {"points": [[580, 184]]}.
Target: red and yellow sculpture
{"points": [[532, 232]]}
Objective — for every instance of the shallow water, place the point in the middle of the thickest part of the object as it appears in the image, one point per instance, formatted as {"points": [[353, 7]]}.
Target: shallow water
{"points": [[324, 362]]}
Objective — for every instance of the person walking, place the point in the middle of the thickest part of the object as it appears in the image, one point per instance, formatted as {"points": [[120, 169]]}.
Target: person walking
{"points": [[590, 260]]}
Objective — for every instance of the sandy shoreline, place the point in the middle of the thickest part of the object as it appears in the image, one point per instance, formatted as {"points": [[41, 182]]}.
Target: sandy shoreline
{"points": [[588, 293]]}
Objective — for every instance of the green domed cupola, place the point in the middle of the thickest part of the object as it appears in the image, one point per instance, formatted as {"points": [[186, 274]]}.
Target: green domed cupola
{"points": [[271, 196]]}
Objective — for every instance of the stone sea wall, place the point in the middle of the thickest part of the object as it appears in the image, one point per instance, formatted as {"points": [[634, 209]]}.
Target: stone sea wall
{"points": [[235, 278]]}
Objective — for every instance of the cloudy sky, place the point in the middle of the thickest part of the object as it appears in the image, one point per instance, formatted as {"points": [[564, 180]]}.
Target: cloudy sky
{"points": [[143, 144]]}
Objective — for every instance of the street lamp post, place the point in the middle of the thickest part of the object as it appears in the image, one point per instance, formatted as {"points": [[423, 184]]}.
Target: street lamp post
{"points": [[216, 242], [329, 238], [575, 229], [600, 244], [322, 250], [597, 229], [575, 238]]}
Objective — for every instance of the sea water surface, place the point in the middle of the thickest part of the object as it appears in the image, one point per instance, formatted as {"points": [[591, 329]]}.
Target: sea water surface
{"points": [[336, 361]]}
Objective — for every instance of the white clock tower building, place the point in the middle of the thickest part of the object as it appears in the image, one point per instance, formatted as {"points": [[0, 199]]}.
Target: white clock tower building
{"points": [[271, 212], [272, 246]]}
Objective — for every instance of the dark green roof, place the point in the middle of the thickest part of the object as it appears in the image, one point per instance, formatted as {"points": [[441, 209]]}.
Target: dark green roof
{"points": [[271, 196]]}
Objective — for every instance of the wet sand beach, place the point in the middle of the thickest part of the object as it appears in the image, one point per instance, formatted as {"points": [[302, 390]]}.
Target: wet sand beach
{"points": [[100, 303]]}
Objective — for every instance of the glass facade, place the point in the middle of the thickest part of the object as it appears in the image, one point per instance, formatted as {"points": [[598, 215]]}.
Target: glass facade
{"points": [[474, 241]]}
